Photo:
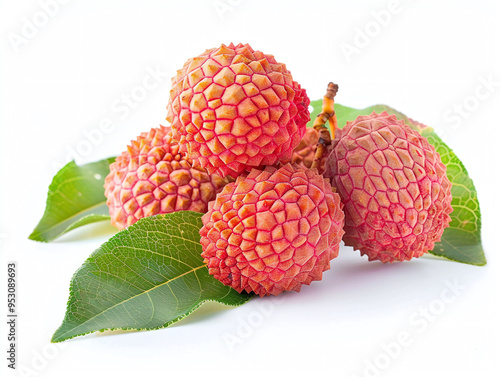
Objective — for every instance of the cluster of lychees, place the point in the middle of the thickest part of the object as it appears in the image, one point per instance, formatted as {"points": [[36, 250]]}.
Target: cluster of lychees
{"points": [[238, 151]]}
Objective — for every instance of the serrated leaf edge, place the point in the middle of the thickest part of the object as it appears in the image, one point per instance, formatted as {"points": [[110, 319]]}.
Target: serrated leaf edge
{"points": [[165, 325]]}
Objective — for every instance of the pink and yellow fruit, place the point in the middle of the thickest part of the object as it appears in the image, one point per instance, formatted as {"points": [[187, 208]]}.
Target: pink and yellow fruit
{"points": [[233, 108], [394, 187], [153, 177], [272, 231]]}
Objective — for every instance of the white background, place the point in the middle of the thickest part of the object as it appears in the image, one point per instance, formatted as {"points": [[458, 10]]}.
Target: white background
{"points": [[64, 78]]}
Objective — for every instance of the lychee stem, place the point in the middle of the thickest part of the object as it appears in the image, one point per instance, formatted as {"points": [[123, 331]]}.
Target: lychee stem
{"points": [[327, 114]]}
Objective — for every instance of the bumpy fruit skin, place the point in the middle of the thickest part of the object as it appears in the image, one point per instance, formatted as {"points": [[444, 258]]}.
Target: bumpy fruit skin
{"points": [[152, 177], [233, 108], [272, 231], [305, 153], [394, 187]]}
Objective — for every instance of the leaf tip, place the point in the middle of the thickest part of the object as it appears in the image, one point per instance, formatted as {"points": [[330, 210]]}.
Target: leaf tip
{"points": [[56, 337], [37, 236]]}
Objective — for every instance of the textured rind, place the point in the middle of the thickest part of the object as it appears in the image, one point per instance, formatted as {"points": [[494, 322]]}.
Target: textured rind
{"points": [[272, 231], [233, 108], [153, 177], [305, 153], [394, 187]]}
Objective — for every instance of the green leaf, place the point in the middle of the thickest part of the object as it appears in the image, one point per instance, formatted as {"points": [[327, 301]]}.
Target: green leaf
{"points": [[146, 277], [75, 198], [461, 242]]}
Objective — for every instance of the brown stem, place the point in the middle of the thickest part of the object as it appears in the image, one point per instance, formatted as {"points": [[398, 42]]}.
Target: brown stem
{"points": [[327, 115]]}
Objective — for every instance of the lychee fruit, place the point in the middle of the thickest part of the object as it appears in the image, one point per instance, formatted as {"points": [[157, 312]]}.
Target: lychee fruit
{"points": [[394, 187], [153, 177], [272, 231], [233, 108]]}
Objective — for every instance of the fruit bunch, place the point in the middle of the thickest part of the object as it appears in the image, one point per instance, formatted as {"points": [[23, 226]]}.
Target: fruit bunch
{"points": [[273, 193]]}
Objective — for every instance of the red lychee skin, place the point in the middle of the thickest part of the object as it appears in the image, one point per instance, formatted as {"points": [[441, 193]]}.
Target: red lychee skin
{"points": [[233, 108], [152, 177], [272, 231], [394, 187]]}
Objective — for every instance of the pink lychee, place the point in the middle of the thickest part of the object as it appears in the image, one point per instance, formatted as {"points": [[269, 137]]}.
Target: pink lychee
{"points": [[272, 231], [153, 177], [233, 108], [394, 187]]}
